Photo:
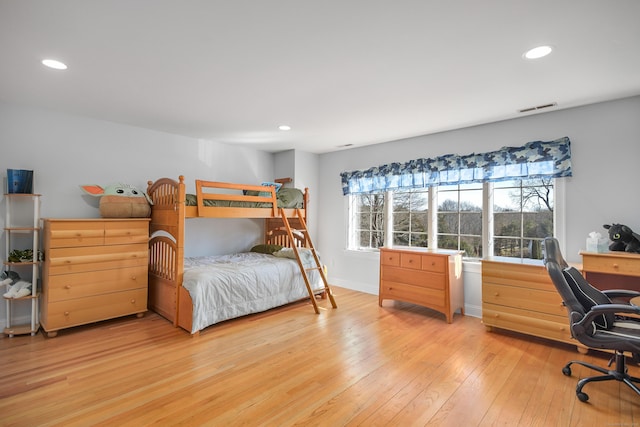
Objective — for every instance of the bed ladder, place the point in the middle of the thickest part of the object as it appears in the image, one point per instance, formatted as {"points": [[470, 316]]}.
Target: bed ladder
{"points": [[303, 269]]}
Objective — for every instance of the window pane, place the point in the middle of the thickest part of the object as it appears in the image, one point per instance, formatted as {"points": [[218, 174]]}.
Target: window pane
{"points": [[447, 242], [538, 224], [401, 221], [419, 221], [401, 239], [448, 223], [377, 239], [506, 200], [532, 249], [419, 239], [365, 221], [507, 247], [471, 223], [401, 201], [506, 224], [472, 245]]}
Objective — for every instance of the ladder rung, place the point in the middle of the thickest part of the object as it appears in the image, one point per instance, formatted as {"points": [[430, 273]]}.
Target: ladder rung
{"points": [[312, 268]]}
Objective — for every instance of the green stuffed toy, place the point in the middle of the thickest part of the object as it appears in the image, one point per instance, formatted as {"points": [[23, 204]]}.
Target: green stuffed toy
{"points": [[120, 200]]}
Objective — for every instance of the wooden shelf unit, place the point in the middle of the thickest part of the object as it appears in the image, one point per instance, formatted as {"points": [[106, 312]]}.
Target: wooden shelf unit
{"points": [[31, 268]]}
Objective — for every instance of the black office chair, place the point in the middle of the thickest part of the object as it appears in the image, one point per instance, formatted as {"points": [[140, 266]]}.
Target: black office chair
{"points": [[596, 319]]}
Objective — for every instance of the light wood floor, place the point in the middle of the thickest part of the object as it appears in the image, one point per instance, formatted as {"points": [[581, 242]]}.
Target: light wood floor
{"points": [[361, 364]]}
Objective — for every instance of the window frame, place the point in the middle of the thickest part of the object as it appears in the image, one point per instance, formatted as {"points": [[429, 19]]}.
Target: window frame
{"points": [[488, 237]]}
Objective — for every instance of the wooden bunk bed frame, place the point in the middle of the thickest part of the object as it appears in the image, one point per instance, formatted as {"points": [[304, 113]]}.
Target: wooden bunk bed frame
{"points": [[167, 296]]}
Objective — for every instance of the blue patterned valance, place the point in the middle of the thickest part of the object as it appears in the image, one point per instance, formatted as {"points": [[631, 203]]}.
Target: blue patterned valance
{"points": [[537, 159]]}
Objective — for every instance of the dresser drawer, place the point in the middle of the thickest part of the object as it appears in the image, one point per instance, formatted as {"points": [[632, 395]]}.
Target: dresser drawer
{"points": [[76, 260], [389, 258], [79, 285], [424, 279], [64, 314], [415, 294], [628, 265], [126, 232], [413, 261], [514, 319], [437, 264], [72, 234], [535, 300]]}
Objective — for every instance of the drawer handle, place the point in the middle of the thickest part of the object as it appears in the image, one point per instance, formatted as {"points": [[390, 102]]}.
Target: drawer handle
{"points": [[497, 294], [133, 301], [134, 278], [66, 313], [615, 265], [67, 287]]}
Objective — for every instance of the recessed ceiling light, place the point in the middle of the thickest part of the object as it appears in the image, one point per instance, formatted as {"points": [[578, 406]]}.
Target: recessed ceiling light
{"points": [[284, 127], [538, 52], [52, 63]]}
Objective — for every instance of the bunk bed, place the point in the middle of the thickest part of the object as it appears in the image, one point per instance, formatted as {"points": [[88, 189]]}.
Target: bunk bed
{"points": [[174, 280]]}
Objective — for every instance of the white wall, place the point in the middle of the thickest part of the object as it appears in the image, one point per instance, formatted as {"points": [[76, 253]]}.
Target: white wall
{"points": [[65, 151], [605, 143]]}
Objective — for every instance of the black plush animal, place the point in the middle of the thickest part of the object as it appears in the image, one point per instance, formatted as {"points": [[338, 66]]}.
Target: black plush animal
{"points": [[623, 238]]}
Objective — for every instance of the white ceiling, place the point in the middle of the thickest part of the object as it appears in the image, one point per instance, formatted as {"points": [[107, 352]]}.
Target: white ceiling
{"points": [[337, 71]]}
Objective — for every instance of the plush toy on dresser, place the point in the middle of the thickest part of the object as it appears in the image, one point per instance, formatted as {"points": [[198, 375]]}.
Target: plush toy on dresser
{"points": [[120, 201], [623, 238]]}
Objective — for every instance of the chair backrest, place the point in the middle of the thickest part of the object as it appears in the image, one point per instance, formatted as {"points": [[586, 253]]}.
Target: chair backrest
{"points": [[576, 292]]}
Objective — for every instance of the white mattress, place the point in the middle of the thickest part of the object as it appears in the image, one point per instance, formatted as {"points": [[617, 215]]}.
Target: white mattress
{"points": [[228, 286]]}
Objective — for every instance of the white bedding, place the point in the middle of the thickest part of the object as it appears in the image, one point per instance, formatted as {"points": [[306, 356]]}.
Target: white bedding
{"points": [[228, 286]]}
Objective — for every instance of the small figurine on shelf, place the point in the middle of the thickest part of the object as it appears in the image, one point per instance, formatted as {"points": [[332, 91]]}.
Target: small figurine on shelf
{"points": [[18, 288]]}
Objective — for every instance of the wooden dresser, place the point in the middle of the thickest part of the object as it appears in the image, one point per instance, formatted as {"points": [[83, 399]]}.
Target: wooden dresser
{"points": [[429, 278], [94, 269], [612, 270], [521, 297]]}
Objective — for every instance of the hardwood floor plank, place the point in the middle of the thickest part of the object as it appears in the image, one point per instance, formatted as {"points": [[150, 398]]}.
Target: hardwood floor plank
{"points": [[358, 365]]}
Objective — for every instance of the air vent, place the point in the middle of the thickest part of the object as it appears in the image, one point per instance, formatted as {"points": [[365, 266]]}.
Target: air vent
{"points": [[539, 107]]}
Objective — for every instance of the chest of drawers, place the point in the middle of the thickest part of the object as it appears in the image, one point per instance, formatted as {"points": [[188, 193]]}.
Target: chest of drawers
{"points": [[94, 269], [521, 297], [432, 279]]}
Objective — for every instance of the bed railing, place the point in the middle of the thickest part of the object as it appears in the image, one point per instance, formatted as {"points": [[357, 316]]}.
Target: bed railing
{"points": [[215, 190]]}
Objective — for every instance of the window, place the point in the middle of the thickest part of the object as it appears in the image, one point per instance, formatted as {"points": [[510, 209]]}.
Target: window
{"points": [[460, 218], [367, 221], [522, 215], [410, 217]]}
